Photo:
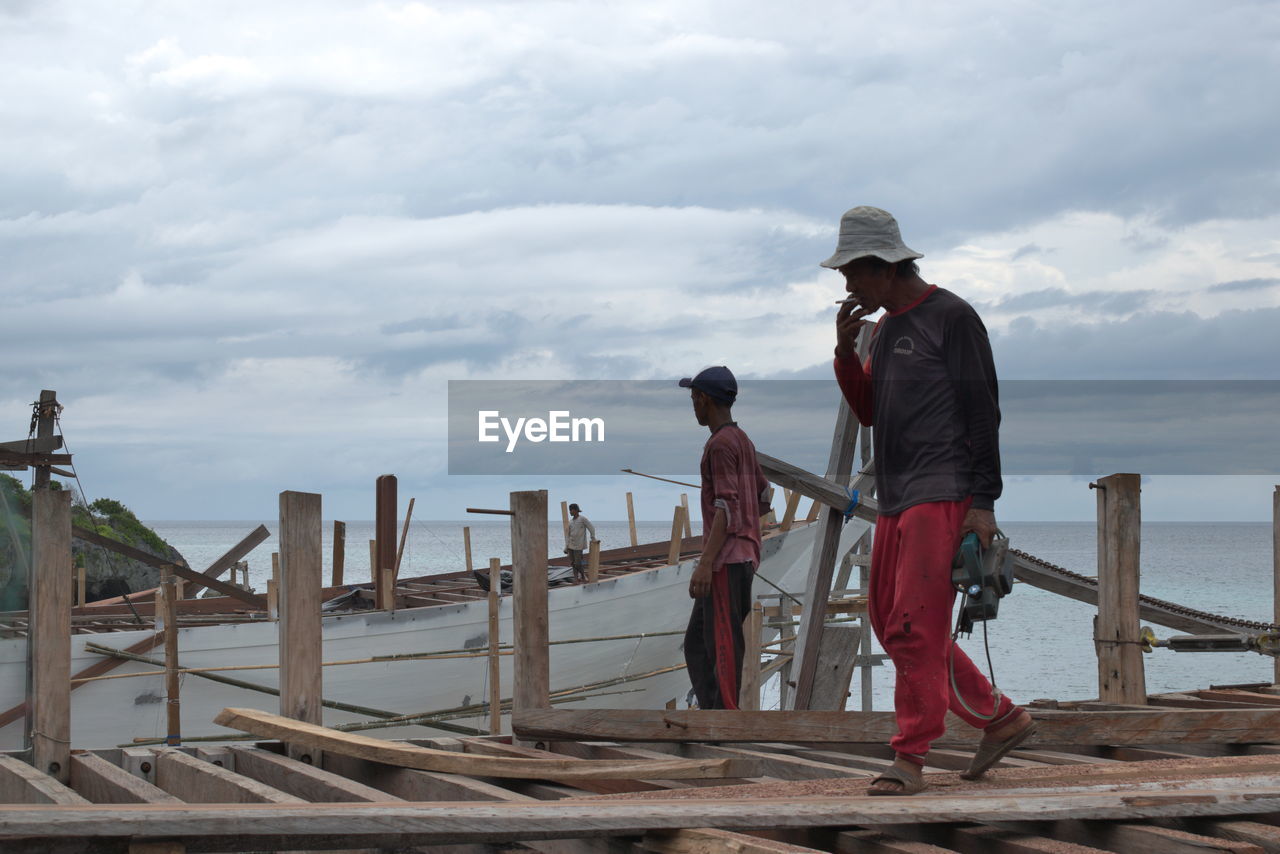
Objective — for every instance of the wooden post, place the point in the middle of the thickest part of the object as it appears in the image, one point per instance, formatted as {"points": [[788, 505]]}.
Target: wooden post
{"points": [[1116, 628], [301, 574], [275, 566], [81, 591], [593, 562], [564, 520], [749, 694], [404, 536], [677, 530], [50, 638], [495, 660], [167, 604], [273, 599], [532, 688], [373, 567], [789, 515], [684, 504], [1275, 563], [46, 417], [385, 536], [822, 564], [631, 520], [339, 551], [814, 509], [466, 545]]}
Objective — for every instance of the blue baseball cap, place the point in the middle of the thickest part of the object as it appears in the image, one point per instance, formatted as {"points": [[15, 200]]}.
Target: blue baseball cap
{"points": [[716, 382]]}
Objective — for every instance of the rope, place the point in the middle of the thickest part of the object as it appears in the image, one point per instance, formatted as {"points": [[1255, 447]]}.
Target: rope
{"points": [[853, 503]]}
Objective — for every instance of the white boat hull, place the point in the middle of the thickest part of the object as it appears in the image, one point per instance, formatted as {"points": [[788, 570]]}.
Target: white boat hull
{"points": [[112, 712]]}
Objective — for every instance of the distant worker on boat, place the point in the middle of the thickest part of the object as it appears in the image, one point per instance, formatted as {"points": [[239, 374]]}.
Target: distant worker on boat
{"points": [[735, 494], [929, 389], [577, 543]]}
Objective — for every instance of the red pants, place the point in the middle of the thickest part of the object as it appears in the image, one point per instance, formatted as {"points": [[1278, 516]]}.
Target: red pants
{"points": [[911, 604]]}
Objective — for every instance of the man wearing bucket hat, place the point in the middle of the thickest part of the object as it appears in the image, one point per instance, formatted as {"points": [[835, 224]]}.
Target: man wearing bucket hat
{"points": [[929, 390], [735, 494]]}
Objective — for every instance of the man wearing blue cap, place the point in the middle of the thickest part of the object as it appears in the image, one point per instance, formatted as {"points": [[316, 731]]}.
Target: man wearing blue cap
{"points": [[735, 494]]}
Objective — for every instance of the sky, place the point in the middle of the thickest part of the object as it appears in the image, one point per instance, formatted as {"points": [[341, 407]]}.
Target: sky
{"points": [[250, 244]]}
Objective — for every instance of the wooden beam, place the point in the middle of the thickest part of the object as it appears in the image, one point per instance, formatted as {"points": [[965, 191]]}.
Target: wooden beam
{"points": [[22, 784], [102, 782], [1275, 569], [404, 537], [301, 682], [822, 564], [300, 779], [184, 572], [267, 725], [33, 445], [167, 605], [529, 600], [1057, 727], [828, 492], [1135, 838], [339, 552], [749, 693], [257, 826], [198, 782], [707, 841], [495, 662], [789, 514], [593, 562], [385, 537], [684, 508], [631, 520], [232, 556], [837, 651], [466, 545], [50, 646], [677, 530], [1117, 630]]}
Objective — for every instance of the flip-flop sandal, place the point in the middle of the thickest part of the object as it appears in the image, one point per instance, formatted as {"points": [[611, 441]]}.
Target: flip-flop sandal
{"points": [[989, 754], [894, 774]]}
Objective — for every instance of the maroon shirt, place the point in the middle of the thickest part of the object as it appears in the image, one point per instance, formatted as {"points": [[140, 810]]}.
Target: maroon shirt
{"points": [[732, 480]]}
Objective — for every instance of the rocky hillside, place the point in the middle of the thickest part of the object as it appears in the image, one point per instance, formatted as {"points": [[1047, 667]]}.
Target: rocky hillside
{"points": [[106, 573]]}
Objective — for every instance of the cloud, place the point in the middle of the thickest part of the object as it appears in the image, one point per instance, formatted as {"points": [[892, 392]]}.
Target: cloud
{"points": [[1246, 285]]}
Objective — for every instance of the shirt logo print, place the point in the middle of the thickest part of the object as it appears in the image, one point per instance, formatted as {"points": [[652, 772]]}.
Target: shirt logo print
{"points": [[904, 346]]}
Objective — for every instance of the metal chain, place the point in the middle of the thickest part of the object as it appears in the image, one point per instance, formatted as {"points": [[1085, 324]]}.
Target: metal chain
{"points": [[1251, 625]]}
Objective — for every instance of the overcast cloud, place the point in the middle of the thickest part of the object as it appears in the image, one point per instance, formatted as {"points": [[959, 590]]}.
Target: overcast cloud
{"points": [[250, 243]]}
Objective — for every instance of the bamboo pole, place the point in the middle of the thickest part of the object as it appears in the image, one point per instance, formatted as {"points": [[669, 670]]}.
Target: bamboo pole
{"points": [[684, 503], [631, 519], [495, 663], [529, 599], [749, 695], [339, 551], [466, 545], [301, 571], [50, 632], [404, 536], [1116, 628], [677, 528], [593, 562]]}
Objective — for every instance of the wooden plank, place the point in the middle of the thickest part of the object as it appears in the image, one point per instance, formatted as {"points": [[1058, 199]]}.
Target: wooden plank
{"points": [[412, 784], [50, 647], [827, 491], [758, 763], [879, 842], [267, 725], [22, 784], [229, 559], [969, 839], [370, 825], [404, 538], [707, 841], [183, 572], [749, 693], [301, 568], [1117, 629], [834, 671], [593, 562], [1057, 727], [531, 668], [789, 514], [198, 782], [103, 782], [482, 747], [1135, 838], [684, 510], [677, 530], [300, 779], [33, 445], [168, 604]]}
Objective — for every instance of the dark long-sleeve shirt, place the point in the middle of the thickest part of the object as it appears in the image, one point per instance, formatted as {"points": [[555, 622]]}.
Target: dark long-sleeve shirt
{"points": [[929, 391]]}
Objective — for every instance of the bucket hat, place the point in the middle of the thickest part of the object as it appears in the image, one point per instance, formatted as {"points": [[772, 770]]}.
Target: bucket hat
{"points": [[864, 231]]}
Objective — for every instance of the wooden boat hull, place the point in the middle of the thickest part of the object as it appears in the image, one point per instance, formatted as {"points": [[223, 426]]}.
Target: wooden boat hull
{"points": [[112, 712]]}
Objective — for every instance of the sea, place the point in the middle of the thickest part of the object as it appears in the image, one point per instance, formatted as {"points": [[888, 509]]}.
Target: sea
{"points": [[1040, 645]]}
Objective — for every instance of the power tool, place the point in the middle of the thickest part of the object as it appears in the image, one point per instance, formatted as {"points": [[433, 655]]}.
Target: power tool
{"points": [[984, 576]]}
